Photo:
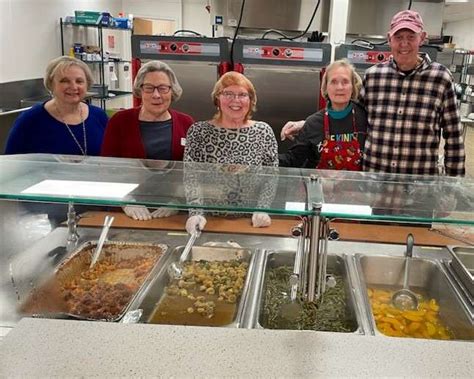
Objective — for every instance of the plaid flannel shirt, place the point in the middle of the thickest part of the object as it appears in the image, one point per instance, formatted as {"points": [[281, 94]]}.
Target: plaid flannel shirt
{"points": [[407, 114]]}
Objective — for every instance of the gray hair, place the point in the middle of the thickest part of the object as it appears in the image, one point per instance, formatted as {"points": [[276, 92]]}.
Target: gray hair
{"points": [[157, 66], [355, 78], [62, 63]]}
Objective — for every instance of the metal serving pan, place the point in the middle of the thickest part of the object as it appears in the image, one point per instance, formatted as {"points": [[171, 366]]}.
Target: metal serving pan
{"points": [[426, 277], [153, 297], [463, 265], [101, 293], [336, 265]]}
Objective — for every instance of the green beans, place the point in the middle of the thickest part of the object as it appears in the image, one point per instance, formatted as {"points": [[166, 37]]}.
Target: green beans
{"points": [[331, 313]]}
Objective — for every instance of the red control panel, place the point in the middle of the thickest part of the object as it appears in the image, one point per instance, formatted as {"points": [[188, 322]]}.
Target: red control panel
{"points": [[276, 52], [377, 56], [368, 57], [179, 48]]}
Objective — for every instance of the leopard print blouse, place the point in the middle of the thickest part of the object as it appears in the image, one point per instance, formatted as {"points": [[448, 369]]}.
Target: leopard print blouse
{"points": [[242, 154]]}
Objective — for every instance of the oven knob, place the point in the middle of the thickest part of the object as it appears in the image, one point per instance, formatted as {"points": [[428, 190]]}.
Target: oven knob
{"points": [[288, 52], [173, 47], [185, 48], [276, 52], [380, 57]]}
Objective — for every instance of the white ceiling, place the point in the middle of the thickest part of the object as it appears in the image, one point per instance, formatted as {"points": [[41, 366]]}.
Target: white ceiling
{"points": [[457, 11]]}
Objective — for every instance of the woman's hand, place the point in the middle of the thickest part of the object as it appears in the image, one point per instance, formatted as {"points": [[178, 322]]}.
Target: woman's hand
{"points": [[194, 223], [291, 129], [137, 212], [261, 220]]}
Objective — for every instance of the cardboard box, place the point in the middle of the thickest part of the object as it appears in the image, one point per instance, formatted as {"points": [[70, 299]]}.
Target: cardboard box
{"points": [[142, 26]]}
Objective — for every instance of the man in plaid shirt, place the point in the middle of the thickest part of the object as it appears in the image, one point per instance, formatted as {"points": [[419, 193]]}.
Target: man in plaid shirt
{"points": [[410, 102]]}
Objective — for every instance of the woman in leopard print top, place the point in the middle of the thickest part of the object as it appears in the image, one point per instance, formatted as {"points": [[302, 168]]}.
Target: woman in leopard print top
{"points": [[241, 145]]}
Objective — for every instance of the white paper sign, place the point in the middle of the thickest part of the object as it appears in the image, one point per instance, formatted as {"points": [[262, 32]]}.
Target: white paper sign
{"points": [[74, 188]]}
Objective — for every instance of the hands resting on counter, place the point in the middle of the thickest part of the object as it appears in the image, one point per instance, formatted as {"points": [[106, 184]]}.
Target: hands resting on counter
{"points": [[142, 213], [259, 220]]}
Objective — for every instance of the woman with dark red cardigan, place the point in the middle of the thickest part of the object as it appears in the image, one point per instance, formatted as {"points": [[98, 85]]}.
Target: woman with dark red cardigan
{"points": [[151, 131]]}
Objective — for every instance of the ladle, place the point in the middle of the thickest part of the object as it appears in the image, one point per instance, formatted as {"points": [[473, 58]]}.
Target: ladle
{"points": [[175, 270], [405, 299], [103, 235]]}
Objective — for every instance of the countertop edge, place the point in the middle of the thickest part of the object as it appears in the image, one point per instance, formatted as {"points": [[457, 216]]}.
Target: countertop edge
{"points": [[111, 349]]}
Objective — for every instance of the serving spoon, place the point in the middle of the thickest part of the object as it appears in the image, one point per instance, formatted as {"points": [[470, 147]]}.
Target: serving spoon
{"points": [[405, 299], [103, 236]]}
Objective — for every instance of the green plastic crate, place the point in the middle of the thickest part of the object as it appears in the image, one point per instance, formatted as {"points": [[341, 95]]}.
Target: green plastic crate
{"points": [[88, 17]]}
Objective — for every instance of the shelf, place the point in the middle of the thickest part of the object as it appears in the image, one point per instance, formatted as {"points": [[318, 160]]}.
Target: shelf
{"points": [[94, 26], [99, 61]]}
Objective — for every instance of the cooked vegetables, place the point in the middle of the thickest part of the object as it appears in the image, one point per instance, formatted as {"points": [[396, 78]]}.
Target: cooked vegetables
{"points": [[329, 314], [206, 295], [421, 323]]}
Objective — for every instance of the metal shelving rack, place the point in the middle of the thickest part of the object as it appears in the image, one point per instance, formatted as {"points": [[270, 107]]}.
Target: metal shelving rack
{"points": [[101, 63]]}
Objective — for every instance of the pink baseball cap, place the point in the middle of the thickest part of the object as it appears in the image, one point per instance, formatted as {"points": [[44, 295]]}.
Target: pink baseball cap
{"points": [[406, 20]]}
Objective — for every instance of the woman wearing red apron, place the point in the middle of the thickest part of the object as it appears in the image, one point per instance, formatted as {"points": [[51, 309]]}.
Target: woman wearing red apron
{"points": [[332, 138]]}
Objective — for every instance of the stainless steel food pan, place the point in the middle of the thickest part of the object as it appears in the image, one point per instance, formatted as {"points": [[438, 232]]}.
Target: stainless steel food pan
{"points": [[426, 277], [336, 265], [463, 265], [48, 300], [155, 292]]}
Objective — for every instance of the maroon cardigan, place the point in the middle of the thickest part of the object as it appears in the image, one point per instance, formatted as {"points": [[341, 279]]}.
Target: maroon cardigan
{"points": [[123, 138]]}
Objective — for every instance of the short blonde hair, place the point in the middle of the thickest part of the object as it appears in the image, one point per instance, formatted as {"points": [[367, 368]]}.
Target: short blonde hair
{"points": [[157, 66], [62, 63], [233, 78], [355, 78]]}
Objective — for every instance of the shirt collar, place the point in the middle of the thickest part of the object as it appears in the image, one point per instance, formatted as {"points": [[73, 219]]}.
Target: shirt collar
{"points": [[423, 65]]}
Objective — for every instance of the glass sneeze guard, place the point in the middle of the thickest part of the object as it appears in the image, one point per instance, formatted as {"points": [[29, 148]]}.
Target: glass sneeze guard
{"points": [[237, 188], [119, 181]]}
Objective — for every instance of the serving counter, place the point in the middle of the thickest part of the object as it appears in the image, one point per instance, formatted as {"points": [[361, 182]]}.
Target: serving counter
{"points": [[373, 214], [82, 349]]}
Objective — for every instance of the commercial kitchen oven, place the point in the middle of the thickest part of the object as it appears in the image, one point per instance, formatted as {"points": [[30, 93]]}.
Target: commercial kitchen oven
{"points": [[362, 57], [286, 75], [197, 62]]}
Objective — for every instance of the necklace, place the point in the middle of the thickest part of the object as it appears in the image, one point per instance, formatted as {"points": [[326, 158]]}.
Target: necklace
{"points": [[83, 150]]}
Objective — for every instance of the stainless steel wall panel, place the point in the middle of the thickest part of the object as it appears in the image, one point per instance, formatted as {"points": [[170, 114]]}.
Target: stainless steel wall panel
{"points": [[284, 93], [197, 80]]}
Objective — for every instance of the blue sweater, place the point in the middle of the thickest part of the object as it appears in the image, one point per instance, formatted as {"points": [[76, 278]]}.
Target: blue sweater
{"points": [[36, 131]]}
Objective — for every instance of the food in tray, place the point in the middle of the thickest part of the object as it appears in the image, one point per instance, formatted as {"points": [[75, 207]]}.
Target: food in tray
{"points": [[207, 294], [330, 314], [101, 292], [424, 322]]}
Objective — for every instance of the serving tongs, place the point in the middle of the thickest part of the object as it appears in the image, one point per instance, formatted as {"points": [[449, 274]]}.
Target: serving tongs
{"points": [[292, 309], [175, 269], [103, 236]]}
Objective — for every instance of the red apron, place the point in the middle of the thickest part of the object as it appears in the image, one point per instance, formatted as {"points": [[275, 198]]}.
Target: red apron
{"points": [[340, 155]]}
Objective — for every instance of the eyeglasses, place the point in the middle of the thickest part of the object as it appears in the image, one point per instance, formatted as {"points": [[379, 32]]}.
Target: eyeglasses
{"points": [[228, 95], [150, 88]]}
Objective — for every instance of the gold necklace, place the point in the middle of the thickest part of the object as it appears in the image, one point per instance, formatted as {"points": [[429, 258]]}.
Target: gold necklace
{"points": [[83, 150]]}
